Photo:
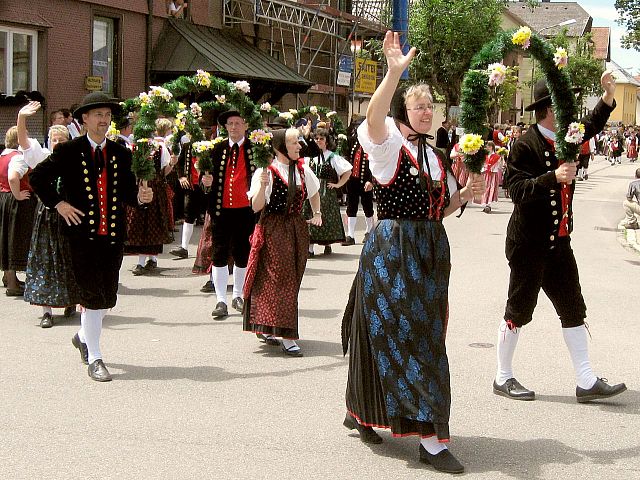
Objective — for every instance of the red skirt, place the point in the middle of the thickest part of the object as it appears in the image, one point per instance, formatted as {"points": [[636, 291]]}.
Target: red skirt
{"points": [[460, 171], [271, 296], [491, 192]]}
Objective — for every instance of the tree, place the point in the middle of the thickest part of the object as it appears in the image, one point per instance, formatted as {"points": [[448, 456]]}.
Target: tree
{"points": [[629, 11], [447, 34], [584, 70]]}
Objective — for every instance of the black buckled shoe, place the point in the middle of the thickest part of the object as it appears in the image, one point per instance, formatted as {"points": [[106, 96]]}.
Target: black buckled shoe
{"points": [[150, 265], [220, 311], [69, 311], [348, 241], [600, 390], [268, 339], [367, 434], [139, 270], [443, 461], [84, 351], [47, 321], [513, 389], [179, 252], [98, 372], [208, 287], [238, 304]]}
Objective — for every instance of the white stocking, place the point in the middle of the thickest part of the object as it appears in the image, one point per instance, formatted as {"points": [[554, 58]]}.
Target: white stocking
{"points": [[187, 231], [577, 343], [238, 280], [92, 325], [507, 342], [351, 226], [220, 277], [369, 222], [432, 445]]}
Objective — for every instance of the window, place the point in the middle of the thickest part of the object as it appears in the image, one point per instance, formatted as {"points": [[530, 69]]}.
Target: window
{"points": [[18, 60], [104, 53]]}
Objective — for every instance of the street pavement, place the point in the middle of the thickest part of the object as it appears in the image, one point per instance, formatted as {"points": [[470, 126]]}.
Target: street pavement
{"points": [[195, 398]]}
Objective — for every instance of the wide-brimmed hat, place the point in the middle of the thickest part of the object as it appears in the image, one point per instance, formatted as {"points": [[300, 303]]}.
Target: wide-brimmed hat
{"points": [[278, 122], [224, 116], [96, 100], [541, 95]]}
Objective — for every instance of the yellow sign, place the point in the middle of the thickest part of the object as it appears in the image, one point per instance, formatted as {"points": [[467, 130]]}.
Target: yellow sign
{"points": [[366, 74], [93, 84]]}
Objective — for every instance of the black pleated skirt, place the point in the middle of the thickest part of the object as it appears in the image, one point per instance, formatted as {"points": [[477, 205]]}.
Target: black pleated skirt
{"points": [[16, 224]]}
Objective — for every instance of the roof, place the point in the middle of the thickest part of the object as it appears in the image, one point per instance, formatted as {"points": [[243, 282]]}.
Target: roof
{"points": [[601, 37], [622, 76], [184, 48], [552, 13]]}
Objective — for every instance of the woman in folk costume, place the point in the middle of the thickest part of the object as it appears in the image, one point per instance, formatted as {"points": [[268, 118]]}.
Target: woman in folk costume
{"points": [[333, 171], [148, 229], [276, 266], [615, 148], [50, 281], [395, 322], [17, 211], [491, 170], [632, 146]]}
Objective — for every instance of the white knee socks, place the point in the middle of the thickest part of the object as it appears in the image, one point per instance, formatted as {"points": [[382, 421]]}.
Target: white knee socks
{"points": [[577, 343], [187, 231], [351, 226], [91, 321], [369, 222], [141, 259], [238, 280], [432, 445], [507, 342], [48, 310], [220, 276]]}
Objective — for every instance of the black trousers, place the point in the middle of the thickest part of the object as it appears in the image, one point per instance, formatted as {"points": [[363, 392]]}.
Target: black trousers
{"points": [[355, 194], [96, 266], [555, 272], [194, 203], [231, 231]]}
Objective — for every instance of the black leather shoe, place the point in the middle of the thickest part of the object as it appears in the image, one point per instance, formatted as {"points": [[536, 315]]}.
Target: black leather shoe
{"points": [[367, 434], [84, 351], [14, 292], [512, 389], [98, 372], [179, 252], [150, 265], [348, 241], [220, 310], [70, 311], [238, 304], [601, 389], [293, 351], [208, 287], [268, 339], [327, 250], [47, 321], [443, 461], [139, 270]]}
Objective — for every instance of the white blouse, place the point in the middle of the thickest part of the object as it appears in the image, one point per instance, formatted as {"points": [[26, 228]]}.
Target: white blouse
{"points": [[35, 154], [310, 180], [17, 163], [338, 163], [384, 157]]}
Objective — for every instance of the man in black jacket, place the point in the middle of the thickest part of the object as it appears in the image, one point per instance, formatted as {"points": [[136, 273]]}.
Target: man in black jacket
{"points": [[442, 136], [96, 183], [538, 246]]}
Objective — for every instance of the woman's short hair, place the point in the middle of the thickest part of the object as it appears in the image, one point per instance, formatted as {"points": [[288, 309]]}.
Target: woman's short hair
{"points": [[58, 129], [11, 138], [418, 91], [163, 127], [324, 133]]}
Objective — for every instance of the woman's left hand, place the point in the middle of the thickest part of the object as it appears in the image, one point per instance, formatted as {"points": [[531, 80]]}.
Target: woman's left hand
{"points": [[316, 220], [332, 185]]}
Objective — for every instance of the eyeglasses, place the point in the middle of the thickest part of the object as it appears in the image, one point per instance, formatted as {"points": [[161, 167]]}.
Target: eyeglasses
{"points": [[421, 108]]}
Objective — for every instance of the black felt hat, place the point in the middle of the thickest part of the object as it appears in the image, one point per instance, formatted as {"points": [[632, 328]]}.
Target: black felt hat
{"points": [[542, 97], [224, 116], [96, 100], [278, 122]]}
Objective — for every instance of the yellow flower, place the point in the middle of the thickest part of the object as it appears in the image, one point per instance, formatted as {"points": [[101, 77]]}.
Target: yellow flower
{"points": [[561, 57], [470, 143], [522, 37]]}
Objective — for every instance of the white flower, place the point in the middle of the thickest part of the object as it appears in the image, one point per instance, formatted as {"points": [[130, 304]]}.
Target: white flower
{"points": [[331, 114], [145, 99], [293, 111], [575, 133], [221, 98], [242, 85], [313, 110], [286, 115], [203, 78], [497, 73], [265, 107], [196, 110], [342, 136], [161, 92]]}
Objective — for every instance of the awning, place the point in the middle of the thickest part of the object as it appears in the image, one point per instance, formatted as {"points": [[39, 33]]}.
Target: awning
{"points": [[184, 48]]}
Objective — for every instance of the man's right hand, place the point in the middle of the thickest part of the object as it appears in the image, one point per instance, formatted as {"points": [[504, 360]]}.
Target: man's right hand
{"points": [[184, 183], [207, 180], [69, 213], [566, 172]]}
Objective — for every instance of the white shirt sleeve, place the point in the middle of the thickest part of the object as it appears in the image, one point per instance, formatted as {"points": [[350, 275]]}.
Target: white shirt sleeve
{"points": [[34, 154], [384, 157], [340, 165], [311, 181], [255, 185], [165, 156], [17, 164]]}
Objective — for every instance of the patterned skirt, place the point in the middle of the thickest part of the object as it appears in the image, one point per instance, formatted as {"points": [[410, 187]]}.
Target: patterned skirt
{"points": [[50, 280], [16, 225], [148, 227], [332, 229], [490, 194], [632, 151], [460, 171], [271, 306], [395, 326], [204, 255]]}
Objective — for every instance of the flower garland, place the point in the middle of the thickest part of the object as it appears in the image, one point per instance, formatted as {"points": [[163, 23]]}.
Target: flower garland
{"points": [[485, 72]]}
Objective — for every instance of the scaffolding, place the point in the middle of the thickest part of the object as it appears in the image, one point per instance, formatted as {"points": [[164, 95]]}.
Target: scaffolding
{"points": [[311, 37]]}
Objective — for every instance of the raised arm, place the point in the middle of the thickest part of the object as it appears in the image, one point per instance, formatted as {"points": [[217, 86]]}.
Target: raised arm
{"points": [[380, 103], [28, 110]]}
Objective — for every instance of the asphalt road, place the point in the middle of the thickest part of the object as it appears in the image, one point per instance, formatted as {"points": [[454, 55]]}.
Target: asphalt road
{"points": [[195, 398]]}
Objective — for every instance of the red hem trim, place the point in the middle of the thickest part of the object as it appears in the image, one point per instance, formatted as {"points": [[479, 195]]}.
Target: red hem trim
{"points": [[395, 435]]}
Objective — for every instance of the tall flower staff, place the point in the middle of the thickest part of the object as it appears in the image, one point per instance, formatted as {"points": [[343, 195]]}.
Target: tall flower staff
{"points": [[202, 152]]}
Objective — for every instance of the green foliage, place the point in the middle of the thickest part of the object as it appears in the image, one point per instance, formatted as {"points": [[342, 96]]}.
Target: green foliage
{"points": [[447, 34], [629, 11], [475, 93]]}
